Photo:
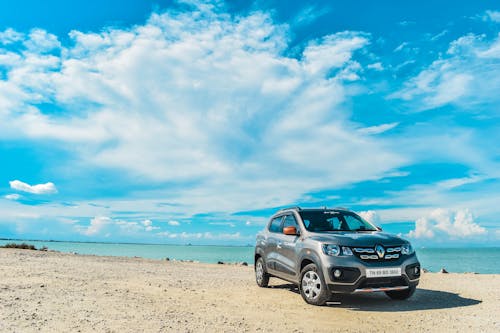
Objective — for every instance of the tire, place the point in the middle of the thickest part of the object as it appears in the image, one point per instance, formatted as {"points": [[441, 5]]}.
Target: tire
{"points": [[401, 294], [261, 276], [312, 286]]}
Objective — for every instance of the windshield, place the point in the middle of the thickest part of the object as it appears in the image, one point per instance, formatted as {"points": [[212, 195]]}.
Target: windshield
{"points": [[326, 221]]}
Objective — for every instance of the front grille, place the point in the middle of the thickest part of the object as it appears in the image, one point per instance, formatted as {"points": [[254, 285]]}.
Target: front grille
{"points": [[370, 254]]}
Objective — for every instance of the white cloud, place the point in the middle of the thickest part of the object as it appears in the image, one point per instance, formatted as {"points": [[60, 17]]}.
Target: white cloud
{"points": [[126, 226], [423, 229], [400, 47], [223, 236], [492, 51], [47, 188], [66, 220], [371, 216], [227, 224], [206, 98], [97, 225], [452, 224], [378, 129], [13, 196], [439, 35], [406, 23], [148, 226], [457, 182], [467, 76], [309, 14], [173, 223], [101, 226], [40, 41], [10, 36], [377, 66], [333, 51], [208, 236], [492, 15]]}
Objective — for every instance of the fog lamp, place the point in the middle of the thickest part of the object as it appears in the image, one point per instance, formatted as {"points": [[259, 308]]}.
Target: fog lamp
{"points": [[416, 270], [337, 273]]}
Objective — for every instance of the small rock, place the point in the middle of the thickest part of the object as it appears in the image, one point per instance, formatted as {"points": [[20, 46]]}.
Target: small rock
{"points": [[244, 263], [167, 259], [425, 270], [444, 271], [220, 262], [42, 286]]}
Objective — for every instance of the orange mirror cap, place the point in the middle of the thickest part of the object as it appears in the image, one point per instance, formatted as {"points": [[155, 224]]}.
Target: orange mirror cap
{"points": [[289, 231]]}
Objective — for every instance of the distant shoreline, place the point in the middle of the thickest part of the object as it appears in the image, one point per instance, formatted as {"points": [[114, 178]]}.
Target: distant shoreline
{"points": [[120, 243], [218, 245]]}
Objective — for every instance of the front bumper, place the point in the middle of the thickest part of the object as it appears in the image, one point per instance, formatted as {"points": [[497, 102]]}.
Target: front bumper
{"points": [[353, 278]]}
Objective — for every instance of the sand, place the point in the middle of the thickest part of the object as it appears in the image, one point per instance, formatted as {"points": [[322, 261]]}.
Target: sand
{"points": [[58, 292]]}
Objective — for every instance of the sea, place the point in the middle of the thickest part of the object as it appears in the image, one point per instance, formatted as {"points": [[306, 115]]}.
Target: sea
{"points": [[455, 260]]}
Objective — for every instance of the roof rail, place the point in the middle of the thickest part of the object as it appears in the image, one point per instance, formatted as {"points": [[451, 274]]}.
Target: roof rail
{"points": [[287, 208], [341, 208]]}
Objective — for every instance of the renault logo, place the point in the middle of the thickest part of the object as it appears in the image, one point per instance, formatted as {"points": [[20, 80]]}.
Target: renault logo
{"points": [[380, 251]]}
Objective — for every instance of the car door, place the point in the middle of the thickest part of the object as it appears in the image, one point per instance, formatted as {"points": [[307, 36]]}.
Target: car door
{"points": [[275, 229], [286, 261]]}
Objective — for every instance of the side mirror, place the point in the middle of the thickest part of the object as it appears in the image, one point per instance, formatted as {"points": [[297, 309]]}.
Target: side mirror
{"points": [[379, 228], [290, 231]]}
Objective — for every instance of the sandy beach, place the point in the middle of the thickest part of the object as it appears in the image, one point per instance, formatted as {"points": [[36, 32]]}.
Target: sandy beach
{"points": [[58, 292]]}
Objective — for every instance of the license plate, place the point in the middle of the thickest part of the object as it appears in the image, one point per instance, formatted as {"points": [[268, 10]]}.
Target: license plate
{"points": [[383, 272]]}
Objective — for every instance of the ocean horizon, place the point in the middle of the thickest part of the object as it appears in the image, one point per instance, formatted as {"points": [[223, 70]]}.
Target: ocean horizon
{"points": [[482, 260]]}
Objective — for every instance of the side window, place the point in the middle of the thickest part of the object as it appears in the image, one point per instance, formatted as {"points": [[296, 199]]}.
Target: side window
{"points": [[290, 222], [275, 225]]}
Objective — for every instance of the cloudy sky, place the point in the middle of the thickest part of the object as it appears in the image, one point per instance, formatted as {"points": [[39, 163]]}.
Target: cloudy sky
{"points": [[192, 122]]}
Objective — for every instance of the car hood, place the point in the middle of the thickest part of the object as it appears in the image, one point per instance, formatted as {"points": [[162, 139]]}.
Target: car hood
{"points": [[358, 238]]}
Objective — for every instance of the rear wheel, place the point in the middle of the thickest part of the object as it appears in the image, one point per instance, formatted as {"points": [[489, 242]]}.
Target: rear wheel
{"points": [[401, 294], [312, 286], [261, 276]]}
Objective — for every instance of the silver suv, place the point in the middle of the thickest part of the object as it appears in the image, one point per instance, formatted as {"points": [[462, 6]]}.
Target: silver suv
{"points": [[327, 251]]}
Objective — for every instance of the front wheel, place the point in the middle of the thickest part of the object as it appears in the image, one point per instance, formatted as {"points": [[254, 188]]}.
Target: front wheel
{"points": [[261, 276], [401, 294], [312, 286]]}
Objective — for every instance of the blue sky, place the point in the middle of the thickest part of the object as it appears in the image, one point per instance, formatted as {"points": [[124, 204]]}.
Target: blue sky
{"points": [[192, 122]]}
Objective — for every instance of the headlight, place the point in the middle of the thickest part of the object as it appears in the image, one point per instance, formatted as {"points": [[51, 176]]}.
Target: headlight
{"points": [[331, 249], [407, 249], [346, 251]]}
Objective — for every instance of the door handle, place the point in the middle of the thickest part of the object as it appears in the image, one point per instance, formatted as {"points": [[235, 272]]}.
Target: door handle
{"points": [[278, 245]]}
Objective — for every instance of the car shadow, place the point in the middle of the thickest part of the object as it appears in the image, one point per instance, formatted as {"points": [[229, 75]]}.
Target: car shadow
{"points": [[290, 286], [423, 299]]}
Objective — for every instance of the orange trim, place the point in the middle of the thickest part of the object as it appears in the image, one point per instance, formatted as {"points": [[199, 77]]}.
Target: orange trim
{"points": [[290, 231]]}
